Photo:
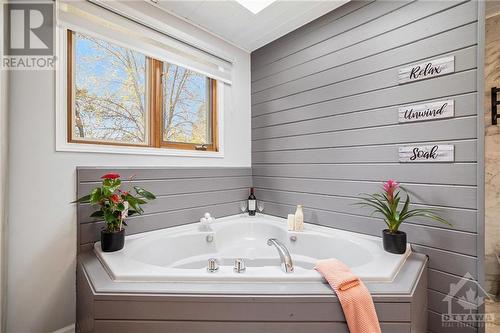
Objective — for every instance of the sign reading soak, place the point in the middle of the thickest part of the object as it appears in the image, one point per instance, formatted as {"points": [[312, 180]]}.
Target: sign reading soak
{"points": [[428, 111], [431, 153], [426, 70]]}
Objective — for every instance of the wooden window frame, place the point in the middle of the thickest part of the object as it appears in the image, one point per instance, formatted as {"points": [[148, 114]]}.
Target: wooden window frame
{"points": [[154, 98]]}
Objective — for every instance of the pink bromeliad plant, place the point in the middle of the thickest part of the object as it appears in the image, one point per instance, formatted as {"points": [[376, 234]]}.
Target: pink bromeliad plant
{"points": [[387, 205]]}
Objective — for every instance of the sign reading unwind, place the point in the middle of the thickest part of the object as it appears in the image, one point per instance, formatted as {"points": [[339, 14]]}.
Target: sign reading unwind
{"points": [[430, 153], [428, 111], [426, 70]]}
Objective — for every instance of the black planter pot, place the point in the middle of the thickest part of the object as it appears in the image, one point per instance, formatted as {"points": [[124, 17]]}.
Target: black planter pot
{"points": [[394, 242], [112, 241]]}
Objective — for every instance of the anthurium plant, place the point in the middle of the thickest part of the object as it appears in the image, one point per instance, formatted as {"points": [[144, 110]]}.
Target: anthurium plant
{"points": [[115, 205], [387, 204]]}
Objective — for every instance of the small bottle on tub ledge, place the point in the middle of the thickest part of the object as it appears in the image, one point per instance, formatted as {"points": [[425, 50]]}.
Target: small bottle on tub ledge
{"points": [[251, 202], [299, 219], [291, 222]]}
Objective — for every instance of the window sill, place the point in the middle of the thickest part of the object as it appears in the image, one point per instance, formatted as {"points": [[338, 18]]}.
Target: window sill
{"points": [[90, 148]]}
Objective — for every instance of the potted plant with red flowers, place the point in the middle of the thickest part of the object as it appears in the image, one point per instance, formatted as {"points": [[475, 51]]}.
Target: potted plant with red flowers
{"points": [[115, 206], [387, 205]]}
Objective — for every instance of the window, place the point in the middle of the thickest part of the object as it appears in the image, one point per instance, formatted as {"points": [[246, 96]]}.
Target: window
{"points": [[187, 108], [117, 96]]}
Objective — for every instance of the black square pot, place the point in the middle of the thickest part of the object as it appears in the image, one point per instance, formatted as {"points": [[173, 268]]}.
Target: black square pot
{"points": [[112, 241], [394, 242]]}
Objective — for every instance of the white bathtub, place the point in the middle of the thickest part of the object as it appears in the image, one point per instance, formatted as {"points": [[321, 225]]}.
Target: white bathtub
{"points": [[180, 254]]}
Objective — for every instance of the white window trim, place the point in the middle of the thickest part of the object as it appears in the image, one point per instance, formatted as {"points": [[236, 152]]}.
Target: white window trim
{"points": [[61, 118]]}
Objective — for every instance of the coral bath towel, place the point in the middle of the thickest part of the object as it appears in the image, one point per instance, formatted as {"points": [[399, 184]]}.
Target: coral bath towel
{"points": [[354, 297]]}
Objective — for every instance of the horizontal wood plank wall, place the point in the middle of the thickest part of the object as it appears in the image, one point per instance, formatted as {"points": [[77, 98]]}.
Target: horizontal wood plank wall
{"points": [[325, 128], [183, 196]]}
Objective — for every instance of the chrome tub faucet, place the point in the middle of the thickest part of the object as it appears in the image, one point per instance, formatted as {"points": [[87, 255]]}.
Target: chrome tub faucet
{"points": [[286, 259]]}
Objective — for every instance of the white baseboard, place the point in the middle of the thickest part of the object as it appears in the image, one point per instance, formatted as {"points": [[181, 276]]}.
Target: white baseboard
{"points": [[67, 329]]}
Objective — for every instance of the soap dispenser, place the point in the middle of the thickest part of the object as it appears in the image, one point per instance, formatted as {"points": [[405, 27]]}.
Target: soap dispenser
{"points": [[205, 222], [299, 219]]}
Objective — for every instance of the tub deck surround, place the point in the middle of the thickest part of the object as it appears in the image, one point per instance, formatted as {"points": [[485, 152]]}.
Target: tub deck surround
{"points": [[181, 254], [159, 281], [104, 305], [400, 289]]}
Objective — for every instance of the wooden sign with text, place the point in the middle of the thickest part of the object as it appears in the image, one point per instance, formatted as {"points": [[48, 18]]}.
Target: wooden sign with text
{"points": [[428, 111], [426, 70], [428, 153]]}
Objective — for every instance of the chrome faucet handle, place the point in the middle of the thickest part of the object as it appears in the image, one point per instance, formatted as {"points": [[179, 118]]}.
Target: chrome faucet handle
{"points": [[213, 265], [239, 265]]}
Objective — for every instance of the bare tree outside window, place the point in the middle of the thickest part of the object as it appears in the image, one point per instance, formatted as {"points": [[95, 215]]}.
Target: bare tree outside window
{"points": [[118, 96], [186, 103], [110, 88]]}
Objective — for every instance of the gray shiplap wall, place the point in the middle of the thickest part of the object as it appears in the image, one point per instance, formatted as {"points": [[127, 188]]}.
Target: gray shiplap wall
{"points": [[183, 196], [325, 126]]}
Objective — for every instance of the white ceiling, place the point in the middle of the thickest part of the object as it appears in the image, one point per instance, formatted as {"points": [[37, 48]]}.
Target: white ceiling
{"points": [[237, 25]]}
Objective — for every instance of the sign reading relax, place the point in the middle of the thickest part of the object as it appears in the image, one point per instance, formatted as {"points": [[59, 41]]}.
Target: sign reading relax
{"points": [[426, 70], [428, 153], [428, 111]]}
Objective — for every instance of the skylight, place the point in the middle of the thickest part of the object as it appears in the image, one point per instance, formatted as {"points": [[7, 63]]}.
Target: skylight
{"points": [[255, 6]]}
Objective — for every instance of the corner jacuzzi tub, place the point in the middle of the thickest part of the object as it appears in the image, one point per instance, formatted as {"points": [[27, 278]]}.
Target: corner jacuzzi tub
{"points": [[181, 254]]}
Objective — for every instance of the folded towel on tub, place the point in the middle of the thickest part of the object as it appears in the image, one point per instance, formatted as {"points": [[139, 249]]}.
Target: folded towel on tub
{"points": [[353, 295]]}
